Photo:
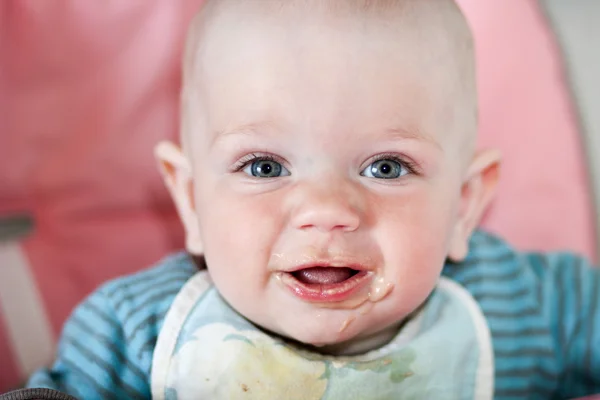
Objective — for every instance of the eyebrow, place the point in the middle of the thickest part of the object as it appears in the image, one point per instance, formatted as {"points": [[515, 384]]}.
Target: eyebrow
{"points": [[401, 133], [244, 129], [393, 133]]}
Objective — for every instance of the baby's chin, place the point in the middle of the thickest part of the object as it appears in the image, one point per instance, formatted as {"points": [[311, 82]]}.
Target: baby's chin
{"points": [[322, 338], [350, 343], [310, 332], [338, 335]]}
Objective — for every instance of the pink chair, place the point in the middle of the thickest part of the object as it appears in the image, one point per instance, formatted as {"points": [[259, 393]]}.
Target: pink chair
{"points": [[88, 88]]}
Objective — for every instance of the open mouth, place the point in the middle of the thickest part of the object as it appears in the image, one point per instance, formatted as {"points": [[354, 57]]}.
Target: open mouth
{"points": [[325, 284], [324, 275]]}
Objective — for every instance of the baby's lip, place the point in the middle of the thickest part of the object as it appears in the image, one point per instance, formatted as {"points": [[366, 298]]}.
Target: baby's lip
{"points": [[344, 292], [327, 264]]}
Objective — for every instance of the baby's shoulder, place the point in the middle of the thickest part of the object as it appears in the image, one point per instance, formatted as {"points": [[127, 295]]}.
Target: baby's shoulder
{"points": [[118, 324], [522, 286], [136, 304], [494, 263], [148, 291], [542, 310]]}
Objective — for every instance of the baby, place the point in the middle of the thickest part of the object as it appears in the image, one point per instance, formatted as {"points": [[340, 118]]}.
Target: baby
{"points": [[329, 183]]}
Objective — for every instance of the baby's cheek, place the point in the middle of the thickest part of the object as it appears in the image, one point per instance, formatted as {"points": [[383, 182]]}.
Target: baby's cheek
{"points": [[414, 239], [238, 233]]}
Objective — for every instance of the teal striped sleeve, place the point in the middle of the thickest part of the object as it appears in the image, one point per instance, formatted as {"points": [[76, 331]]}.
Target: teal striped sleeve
{"points": [[571, 289], [106, 348]]}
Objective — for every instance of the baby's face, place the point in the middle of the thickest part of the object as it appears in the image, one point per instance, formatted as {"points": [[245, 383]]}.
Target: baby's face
{"points": [[327, 176]]}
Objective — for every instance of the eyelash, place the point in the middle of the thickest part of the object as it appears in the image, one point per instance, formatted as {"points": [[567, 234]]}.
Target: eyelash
{"points": [[411, 166], [250, 158]]}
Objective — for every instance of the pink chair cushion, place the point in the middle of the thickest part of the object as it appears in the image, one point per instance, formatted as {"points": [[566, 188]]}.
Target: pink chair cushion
{"points": [[90, 87], [544, 197]]}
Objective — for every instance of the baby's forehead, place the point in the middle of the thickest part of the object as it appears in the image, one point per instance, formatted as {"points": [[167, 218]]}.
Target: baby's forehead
{"points": [[430, 35], [431, 23], [421, 41]]}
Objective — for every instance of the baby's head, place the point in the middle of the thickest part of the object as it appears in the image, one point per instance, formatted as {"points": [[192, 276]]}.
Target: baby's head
{"points": [[328, 166]]}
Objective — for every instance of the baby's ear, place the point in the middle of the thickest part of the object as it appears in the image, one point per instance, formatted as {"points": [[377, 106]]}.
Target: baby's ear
{"points": [[177, 174], [476, 195]]}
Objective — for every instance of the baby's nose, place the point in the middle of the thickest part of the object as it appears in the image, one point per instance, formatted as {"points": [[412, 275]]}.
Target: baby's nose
{"points": [[326, 208]]}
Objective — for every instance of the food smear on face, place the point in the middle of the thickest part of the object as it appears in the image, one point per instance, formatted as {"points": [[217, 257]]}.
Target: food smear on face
{"points": [[367, 306], [346, 323], [379, 289]]}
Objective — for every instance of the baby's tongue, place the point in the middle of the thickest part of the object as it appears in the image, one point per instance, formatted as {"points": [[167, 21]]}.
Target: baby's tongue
{"points": [[323, 275]]}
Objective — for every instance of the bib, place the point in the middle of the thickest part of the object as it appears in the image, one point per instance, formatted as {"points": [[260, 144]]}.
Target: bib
{"points": [[206, 350]]}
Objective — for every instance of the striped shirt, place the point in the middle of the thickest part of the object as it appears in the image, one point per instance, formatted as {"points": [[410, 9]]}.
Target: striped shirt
{"points": [[543, 311]]}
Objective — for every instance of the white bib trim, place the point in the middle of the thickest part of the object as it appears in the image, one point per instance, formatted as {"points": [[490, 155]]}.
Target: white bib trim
{"points": [[167, 338], [484, 388]]}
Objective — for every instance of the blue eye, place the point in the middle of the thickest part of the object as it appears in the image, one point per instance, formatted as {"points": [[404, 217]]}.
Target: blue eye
{"points": [[385, 169], [264, 168]]}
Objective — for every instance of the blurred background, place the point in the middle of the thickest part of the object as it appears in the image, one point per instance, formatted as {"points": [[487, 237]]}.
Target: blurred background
{"points": [[88, 87]]}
